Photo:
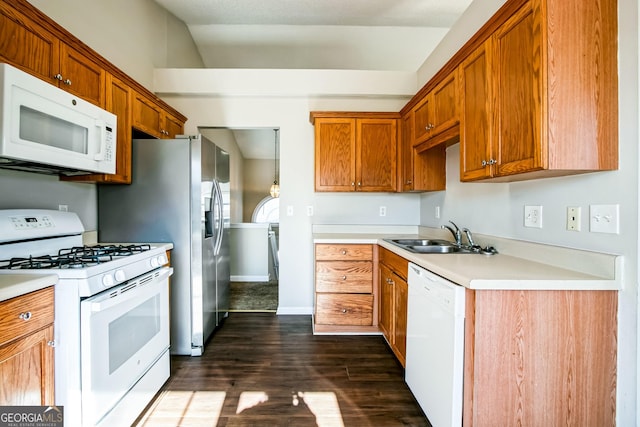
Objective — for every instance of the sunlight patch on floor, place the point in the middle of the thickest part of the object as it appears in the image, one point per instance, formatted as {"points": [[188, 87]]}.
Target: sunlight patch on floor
{"points": [[324, 405], [204, 408], [193, 408], [249, 399]]}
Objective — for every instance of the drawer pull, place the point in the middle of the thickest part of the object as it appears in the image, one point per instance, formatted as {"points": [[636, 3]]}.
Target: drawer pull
{"points": [[344, 252], [25, 316], [344, 277], [344, 310]]}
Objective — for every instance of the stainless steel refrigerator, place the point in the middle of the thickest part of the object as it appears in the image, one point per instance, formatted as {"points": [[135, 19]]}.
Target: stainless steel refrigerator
{"points": [[180, 193]]}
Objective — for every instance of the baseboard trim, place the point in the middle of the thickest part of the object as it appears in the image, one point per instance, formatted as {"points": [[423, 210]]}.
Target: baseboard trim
{"points": [[294, 310], [250, 278]]}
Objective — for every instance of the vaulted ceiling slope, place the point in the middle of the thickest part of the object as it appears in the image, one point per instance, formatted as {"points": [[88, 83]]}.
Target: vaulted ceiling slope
{"points": [[392, 35]]}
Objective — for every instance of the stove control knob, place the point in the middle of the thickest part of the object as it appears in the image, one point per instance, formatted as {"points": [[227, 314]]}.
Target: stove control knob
{"points": [[120, 276], [154, 262], [107, 280], [162, 259]]}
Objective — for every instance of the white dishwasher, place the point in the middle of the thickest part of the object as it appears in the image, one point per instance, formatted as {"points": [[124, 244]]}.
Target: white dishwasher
{"points": [[435, 346]]}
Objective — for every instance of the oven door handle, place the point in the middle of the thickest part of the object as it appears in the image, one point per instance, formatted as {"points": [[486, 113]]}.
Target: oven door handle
{"points": [[104, 302]]}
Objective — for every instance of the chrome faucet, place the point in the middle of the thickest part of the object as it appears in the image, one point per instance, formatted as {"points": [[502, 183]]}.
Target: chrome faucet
{"points": [[467, 232], [457, 234]]}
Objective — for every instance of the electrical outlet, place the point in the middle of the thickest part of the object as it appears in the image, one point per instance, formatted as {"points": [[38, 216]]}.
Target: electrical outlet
{"points": [[437, 213], [63, 208], [573, 218], [309, 210], [383, 211], [289, 210], [533, 216]]}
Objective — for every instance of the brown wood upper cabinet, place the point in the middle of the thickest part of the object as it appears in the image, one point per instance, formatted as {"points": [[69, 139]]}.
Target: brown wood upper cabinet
{"points": [[152, 119], [436, 115], [539, 97], [36, 50], [356, 151]]}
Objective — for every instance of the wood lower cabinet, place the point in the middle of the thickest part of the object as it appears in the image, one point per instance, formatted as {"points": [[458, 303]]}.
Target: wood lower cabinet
{"points": [[540, 358], [356, 151], [26, 351], [394, 291], [344, 288]]}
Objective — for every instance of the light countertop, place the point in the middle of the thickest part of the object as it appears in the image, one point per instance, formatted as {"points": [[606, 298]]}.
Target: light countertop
{"points": [[14, 285], [532, 271]]}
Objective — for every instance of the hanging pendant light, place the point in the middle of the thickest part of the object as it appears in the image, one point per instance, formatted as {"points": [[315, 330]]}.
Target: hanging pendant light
{"points": [[275, 188]]}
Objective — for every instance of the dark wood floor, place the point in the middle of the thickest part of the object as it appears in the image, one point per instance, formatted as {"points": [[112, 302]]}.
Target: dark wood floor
{"points": [[260, 369]]}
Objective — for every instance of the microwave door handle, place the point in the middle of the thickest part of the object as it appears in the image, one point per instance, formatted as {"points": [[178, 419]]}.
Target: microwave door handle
{"points": [[103, 136]]}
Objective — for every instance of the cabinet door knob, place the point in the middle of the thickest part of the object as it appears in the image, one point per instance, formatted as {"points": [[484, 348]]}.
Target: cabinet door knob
{"points": [[408, 182], [344, 310], [25, 316], [484, 163], [67, 82], [58, 77], [353, 184], [492, 161], [344, 277], [51, 343], [359, 184]]}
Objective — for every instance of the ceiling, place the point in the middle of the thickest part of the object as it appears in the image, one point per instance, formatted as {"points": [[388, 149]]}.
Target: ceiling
{"points": [[313, 34], [316, 34]]}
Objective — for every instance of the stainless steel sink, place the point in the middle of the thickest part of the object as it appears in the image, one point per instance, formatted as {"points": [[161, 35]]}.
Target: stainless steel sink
{"points": [[436, 249], [438, 246], [420, 242]]}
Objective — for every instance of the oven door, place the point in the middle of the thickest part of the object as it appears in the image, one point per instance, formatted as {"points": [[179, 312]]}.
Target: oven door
{"points": [[124, 330]]}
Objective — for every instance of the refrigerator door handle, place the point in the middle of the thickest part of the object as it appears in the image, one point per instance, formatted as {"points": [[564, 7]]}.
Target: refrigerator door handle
{"points": [[220, 219]]}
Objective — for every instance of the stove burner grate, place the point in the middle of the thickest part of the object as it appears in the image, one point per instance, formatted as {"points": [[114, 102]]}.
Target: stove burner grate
{"points": [[75, 257]]}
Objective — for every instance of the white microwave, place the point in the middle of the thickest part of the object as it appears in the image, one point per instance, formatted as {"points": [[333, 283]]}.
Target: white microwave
{"points": [[47, 130]]}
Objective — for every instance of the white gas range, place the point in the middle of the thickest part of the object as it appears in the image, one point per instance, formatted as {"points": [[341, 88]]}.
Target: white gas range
{"points": [[111, 313]]}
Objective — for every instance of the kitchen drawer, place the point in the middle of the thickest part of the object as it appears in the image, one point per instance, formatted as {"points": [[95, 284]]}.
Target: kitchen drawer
{"points": [[344, 276], [25, 314], [395, 262], [335, 252], [344, 309]]}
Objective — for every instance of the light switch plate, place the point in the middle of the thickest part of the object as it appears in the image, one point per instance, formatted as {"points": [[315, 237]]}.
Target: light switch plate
{"points": [[604, 219]]}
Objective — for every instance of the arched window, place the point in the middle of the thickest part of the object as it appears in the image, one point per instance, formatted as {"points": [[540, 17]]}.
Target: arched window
{"points": [[268, 210]]}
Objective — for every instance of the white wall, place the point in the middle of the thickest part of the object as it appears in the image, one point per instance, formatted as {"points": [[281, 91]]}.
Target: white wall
{"points": [[27, 190], [258, 177]]}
